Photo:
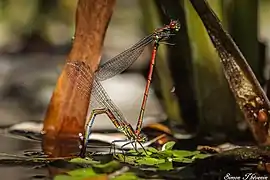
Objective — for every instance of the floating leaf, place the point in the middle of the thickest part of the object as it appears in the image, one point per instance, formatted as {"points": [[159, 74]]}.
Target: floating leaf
{"points": [[83, 161], [97, 177], [168, 146], [128, 175], [127, 159], [166, 153], [184, 153], [183, 160], [89, 173], [64, 177], [145, 153], [151, 149], [119, 157], [139, 152], [150, 161], [166, 166], [84, 172], [162, 160], [201, 156], [132, 151], [77, 174], [108, 167]]}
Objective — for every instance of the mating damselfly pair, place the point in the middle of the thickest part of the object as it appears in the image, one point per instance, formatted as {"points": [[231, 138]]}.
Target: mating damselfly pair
{"points": [[247, 91], [80, 72]]}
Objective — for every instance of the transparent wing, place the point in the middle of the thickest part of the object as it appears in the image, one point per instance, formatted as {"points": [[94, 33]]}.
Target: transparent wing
{"points": [[122, 61], [99, 96]]}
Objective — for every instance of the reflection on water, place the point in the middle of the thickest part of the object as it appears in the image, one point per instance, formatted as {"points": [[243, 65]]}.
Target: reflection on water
{"points": [[17, 146], [22, 173], [16, 149]]}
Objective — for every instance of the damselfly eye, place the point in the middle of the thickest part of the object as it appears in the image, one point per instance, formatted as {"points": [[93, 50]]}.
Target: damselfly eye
{"points": [[175, 26], [172, 25]]}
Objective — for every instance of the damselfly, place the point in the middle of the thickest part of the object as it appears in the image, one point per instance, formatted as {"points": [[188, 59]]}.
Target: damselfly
{"points": [[81, 73], [124, 60]]}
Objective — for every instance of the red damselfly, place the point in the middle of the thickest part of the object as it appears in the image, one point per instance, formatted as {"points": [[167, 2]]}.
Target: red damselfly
{"points": [[81, 73], [125, 59], [128, 57]]}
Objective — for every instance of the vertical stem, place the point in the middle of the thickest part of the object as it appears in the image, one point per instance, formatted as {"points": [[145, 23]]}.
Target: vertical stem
{"points": [[244, 30], [67, 110], [214, 99]]}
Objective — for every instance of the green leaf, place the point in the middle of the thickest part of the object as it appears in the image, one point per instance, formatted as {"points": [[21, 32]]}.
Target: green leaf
{"points": [[151, 149], [128, 175], [201, 156], [138, 152], [147, 153], [165, 166], [184, 153], [108, 167], [168, 146], [127, 159], [183, 160], [119, 157], [77, 174], [83, 172], [65, 177], [132, 151], [150, 161], [84, 161], [163, 154], [166, 153]]}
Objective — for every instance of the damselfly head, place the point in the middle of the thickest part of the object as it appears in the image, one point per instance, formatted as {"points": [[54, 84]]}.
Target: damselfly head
{"points": [[175, 25]]}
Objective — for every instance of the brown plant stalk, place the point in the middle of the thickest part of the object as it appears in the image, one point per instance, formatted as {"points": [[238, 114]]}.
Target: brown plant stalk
{"points": [[67, 111]]}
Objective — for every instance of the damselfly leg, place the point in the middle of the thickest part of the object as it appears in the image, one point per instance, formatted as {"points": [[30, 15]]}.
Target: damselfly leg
{"points": [[113, 145], [132, 142], [134, 145], [91, 120]]}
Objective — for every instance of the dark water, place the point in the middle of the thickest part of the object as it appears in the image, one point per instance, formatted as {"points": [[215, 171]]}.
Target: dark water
{"points": [[16, 145], [26, 145]]}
